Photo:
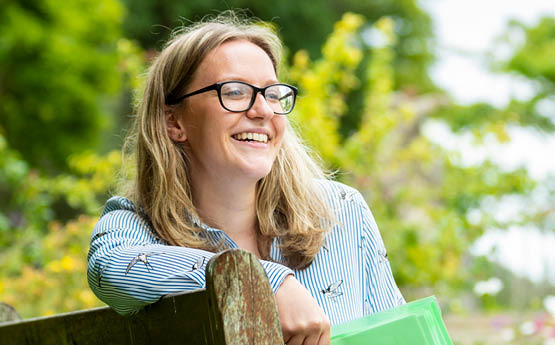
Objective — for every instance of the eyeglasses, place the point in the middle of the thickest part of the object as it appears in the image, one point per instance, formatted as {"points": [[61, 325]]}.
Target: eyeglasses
{"points": [[238, 96]]}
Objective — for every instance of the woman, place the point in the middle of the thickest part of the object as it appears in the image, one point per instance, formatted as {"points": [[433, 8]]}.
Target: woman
{"points": [[219, 166]]}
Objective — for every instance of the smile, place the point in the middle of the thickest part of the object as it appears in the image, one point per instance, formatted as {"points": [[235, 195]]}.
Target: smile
{"points": [[248, 136]]}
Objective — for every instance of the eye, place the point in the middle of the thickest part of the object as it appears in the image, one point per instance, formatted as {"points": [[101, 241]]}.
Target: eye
{"points": [[235, 91], [272, 94]]}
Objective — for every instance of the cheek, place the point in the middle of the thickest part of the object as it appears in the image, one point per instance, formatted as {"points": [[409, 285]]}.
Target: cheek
{"points": [[197, 124], [280, 124]]}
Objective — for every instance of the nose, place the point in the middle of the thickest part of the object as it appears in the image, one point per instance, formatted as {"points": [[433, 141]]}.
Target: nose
{"points": [[260, 108]]}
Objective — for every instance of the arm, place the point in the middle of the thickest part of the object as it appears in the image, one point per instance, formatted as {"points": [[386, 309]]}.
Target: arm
{"points": [[383, 292], [129, 267]]}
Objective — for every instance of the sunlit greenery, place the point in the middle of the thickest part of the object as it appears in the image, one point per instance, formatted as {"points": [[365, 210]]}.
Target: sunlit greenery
{"points": [[415, 188], [43, 256]]}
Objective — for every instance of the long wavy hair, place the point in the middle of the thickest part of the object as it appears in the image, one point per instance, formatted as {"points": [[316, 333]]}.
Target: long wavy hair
{"points": [[288, 204]]}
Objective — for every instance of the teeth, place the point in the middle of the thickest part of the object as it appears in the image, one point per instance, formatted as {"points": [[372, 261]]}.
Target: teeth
{"points": [[263, 138]]}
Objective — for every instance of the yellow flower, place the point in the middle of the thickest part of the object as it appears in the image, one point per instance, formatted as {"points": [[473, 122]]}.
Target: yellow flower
{"points": [[301, 59], [350, 21], [54, 266], [68, 263], [49, 312], [87, 298], [450, 264]]}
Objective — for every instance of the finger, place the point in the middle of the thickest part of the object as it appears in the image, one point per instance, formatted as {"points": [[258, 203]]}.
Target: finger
{"points": [[286, 337], [312, 339], [296, 340], [315, 330], [325, 337]]}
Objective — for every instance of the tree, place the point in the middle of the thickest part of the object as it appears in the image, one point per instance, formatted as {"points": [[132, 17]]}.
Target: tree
{"points": [[533, 59], [302, 25], [59, 75], [42, 250], [420, 193]]}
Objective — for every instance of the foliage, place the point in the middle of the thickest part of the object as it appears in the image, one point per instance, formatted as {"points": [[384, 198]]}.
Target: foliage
{"points": [[532, 58], [30, 200], [302, 25], [418, 191], [58, 282], [43, 256], [62, 71], [61, 68], [59, 75]]}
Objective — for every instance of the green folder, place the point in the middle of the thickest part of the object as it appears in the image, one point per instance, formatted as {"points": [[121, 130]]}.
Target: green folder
{"points": [[414, 323]]}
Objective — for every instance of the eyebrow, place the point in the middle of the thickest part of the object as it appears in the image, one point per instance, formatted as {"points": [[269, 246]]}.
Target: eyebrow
{"points": [[239, 78]]}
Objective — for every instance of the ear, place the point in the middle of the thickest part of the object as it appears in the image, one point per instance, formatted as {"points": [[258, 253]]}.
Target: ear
{"points": [[176, 131]]}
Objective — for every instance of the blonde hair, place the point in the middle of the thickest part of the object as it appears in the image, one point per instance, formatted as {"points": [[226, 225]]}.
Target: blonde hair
{"points": [[288, 204]]}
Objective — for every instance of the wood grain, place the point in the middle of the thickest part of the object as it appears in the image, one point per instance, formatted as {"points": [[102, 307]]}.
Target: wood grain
{"points": [[253, 318]]}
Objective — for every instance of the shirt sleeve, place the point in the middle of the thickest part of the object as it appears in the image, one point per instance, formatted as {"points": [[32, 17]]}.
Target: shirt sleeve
{"points": [[383, 292], [129, 267]]}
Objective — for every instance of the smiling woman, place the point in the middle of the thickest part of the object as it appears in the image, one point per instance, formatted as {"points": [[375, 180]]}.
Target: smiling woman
{"points": [[211, 131], [219, 166]]}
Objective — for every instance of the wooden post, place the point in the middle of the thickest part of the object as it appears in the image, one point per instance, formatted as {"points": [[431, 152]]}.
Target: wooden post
{"points": [[252, 318], [8, 313]]}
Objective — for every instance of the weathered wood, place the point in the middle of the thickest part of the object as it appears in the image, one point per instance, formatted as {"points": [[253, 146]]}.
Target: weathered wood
{"points": [[8, 313], [253, 318], [179, 319], [237, 307]]}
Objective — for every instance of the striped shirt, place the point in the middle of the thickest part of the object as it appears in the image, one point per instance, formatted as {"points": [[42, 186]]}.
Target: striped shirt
{"points": [[130, 267]]}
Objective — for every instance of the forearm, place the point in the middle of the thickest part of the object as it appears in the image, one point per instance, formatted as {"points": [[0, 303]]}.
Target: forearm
{"points": [[128, 274], [130, 277]]}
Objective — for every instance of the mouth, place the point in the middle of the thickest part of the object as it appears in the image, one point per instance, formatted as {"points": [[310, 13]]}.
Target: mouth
{"points": [[252, 137]]}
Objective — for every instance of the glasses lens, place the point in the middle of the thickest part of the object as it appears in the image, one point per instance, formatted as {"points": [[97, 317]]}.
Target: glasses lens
{"points": [[236, 96], [281, 98]]}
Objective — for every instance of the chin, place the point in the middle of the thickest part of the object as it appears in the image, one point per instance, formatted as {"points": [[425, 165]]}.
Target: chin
{"points": [[258, 174]]}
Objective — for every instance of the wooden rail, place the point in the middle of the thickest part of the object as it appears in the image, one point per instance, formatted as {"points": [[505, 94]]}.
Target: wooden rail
{"points": [[237, 307]]}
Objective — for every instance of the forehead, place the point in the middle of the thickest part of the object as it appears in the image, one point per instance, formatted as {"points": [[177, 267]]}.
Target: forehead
{"points": [[238, 60]]}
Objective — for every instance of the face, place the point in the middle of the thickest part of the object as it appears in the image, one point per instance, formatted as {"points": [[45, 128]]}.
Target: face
{"points": [[213, 136]]}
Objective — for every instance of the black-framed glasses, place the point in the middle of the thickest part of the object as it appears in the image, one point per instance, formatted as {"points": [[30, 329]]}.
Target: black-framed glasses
{"points": [[238, 96]]}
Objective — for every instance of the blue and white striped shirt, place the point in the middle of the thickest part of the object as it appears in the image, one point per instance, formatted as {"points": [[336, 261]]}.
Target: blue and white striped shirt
{"points": [[130, 267]]}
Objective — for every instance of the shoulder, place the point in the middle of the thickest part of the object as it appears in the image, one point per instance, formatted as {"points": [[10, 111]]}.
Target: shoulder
{"points": [[119, 203], [349, 208], [339, 194], [121, 213]]}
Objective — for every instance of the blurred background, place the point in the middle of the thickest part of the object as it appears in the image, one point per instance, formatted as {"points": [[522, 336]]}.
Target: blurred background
{"points": [[441, 112]]}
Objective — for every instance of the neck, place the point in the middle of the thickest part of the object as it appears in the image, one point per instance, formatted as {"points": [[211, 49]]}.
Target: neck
{"points": [[229, 206]]}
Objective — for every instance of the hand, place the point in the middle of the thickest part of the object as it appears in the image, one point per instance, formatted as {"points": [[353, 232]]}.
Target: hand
{"points": [[302, 320]]}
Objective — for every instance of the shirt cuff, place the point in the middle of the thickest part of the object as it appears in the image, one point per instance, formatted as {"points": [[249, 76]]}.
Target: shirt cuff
{"points": [[276, 273]]}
